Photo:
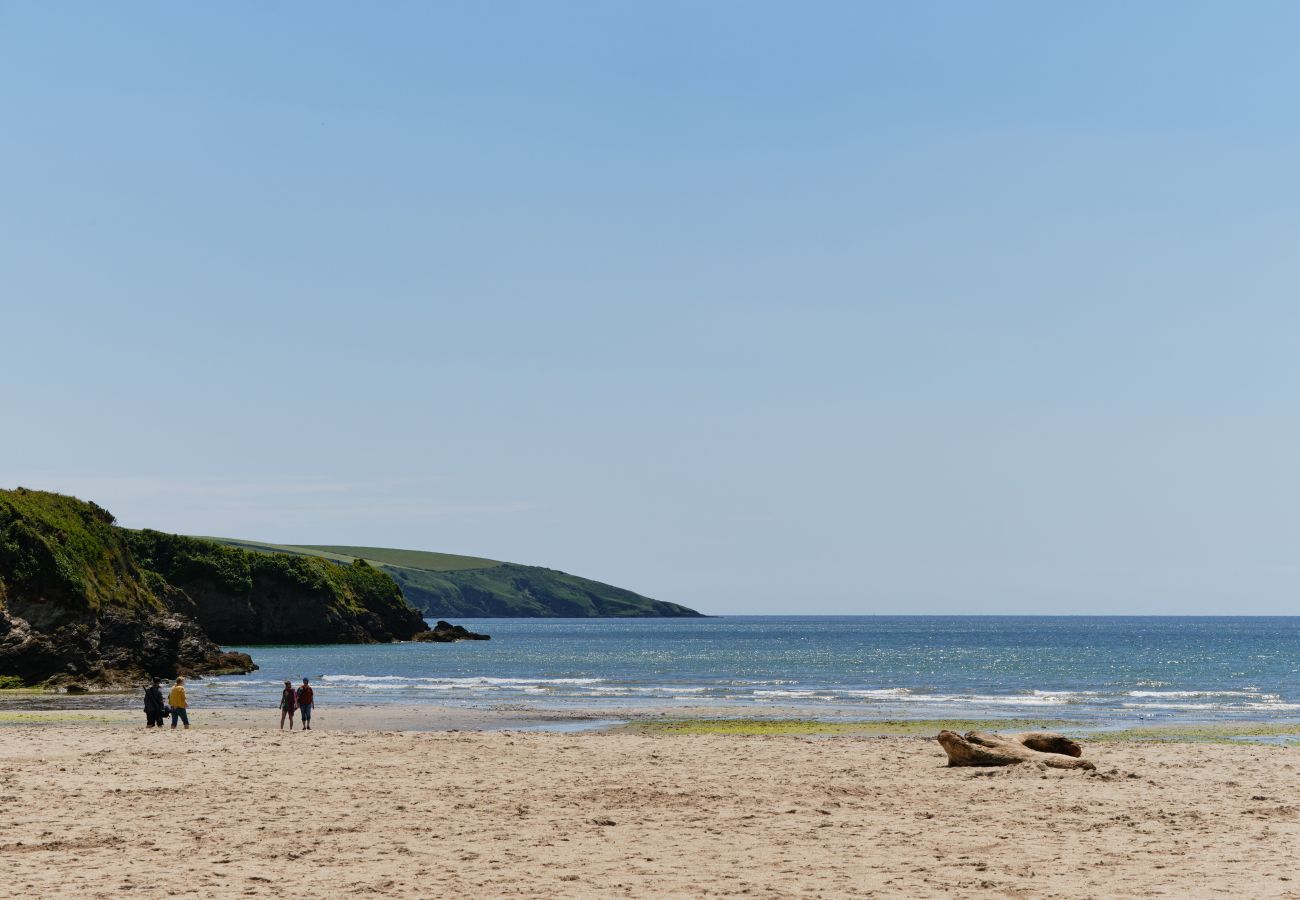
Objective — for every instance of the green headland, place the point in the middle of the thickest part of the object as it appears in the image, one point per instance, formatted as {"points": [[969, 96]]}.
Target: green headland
{"points": [[447, 585]]}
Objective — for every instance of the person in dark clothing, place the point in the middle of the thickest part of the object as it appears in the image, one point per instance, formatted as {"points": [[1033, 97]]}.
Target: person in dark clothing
{"points": [[288, 703], [153, 705], [305, 700]]}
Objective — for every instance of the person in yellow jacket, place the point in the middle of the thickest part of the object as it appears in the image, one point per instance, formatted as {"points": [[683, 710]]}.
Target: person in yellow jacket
{"points": [[176, 700]]}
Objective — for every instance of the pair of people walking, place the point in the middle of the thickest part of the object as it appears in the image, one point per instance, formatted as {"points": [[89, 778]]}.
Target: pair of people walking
{"points": [[177, 706], [300, 700]]}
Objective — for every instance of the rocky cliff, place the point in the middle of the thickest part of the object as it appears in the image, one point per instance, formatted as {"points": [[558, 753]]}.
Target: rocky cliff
{"points": [[240, 597], [76, 609], [84, 602]]}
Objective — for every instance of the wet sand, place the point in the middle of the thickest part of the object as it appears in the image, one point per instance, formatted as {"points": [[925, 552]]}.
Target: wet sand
{"points": [[111, 810]]}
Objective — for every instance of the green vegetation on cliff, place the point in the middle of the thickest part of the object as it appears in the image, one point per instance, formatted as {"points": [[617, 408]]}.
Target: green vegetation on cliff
{"points": [[451, 586], [244, 597], [75, 607], [67, 553]]}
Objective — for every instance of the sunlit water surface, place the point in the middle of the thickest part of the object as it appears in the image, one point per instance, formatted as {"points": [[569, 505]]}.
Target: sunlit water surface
{"points": [[1103, 669]]}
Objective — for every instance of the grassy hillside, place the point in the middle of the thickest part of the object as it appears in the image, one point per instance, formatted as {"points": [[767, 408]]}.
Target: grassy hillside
{"points": [[447, 585], [411, 559], [424, 560]]}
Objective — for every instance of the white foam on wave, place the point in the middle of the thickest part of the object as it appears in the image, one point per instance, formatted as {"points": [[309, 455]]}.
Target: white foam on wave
{"points": [[904, 695], [1172, 706], [1161, 695], [1272, 705], [454, 682], [748, 681], [990, 699], [1147, 695]]}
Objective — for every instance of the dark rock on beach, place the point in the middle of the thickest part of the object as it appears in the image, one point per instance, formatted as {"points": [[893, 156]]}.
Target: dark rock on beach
{"points": [[445, 633]]}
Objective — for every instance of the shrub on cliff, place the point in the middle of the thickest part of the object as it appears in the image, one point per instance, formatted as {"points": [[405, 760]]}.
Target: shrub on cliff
{"points": [[62, 560]]}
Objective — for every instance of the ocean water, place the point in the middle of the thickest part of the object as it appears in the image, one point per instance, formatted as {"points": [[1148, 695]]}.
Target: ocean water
{"points": [[1095, 669]]}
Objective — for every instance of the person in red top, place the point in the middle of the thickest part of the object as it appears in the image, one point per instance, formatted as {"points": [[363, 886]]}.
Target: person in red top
{"points": [[288, 703], [305, 701]]}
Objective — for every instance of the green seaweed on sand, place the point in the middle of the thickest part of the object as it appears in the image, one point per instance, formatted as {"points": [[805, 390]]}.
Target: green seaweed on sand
{"points": [[818, 727], [1219, 733], [1212, 733], [58, 717]]}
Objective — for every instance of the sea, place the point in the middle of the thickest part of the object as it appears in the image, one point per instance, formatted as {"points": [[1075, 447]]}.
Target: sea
{"points": [[1104, 670]]}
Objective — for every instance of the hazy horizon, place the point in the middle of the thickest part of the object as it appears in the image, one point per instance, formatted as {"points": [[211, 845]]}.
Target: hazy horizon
{"points": [[849, 308]]}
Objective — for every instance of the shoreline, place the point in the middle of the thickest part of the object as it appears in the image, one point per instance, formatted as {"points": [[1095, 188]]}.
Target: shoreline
{"points": [[790, 722]]}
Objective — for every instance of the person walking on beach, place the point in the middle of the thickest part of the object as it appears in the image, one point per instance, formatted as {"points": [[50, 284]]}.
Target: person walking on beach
{"points": [[288, 703], [305, 700], [176, 700], [153, 705]]}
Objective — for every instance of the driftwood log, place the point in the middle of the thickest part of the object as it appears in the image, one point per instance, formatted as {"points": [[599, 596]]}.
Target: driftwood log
{"points": [[979, 748]]}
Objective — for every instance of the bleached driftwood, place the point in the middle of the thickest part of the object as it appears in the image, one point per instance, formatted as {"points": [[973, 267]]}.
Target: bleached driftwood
{"points": [[979, 748]]}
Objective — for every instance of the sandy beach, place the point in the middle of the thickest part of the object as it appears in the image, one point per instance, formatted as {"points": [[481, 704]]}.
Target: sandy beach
{"points": [[234, 810]]}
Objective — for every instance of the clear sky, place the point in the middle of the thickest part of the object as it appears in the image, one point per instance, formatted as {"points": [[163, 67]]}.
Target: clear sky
{"points": [[756, 307]]}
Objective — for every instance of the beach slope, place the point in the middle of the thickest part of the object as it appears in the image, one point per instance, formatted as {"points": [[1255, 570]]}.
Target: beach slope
{"points": [[217, 812]]}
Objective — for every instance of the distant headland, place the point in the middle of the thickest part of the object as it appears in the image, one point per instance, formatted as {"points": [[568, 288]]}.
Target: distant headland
{"points": [[450, 586]]}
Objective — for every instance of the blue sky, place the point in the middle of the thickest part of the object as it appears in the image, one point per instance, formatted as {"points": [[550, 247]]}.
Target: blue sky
{"points": [[757, 307]]}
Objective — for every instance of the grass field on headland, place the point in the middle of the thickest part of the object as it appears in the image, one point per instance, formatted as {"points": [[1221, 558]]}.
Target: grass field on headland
{"points": [[426, 560], [411, 559], [423, 559]]}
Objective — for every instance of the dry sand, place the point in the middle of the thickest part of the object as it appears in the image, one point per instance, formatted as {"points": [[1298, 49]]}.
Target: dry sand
{"points": [[114, 811]]}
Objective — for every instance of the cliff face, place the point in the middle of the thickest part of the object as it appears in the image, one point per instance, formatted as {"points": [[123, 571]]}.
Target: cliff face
{"points": [[85, 602], [76, 608], [254, 598]]}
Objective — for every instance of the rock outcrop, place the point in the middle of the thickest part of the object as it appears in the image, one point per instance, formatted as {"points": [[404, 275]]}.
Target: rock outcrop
{"points": [[445, 633]]}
